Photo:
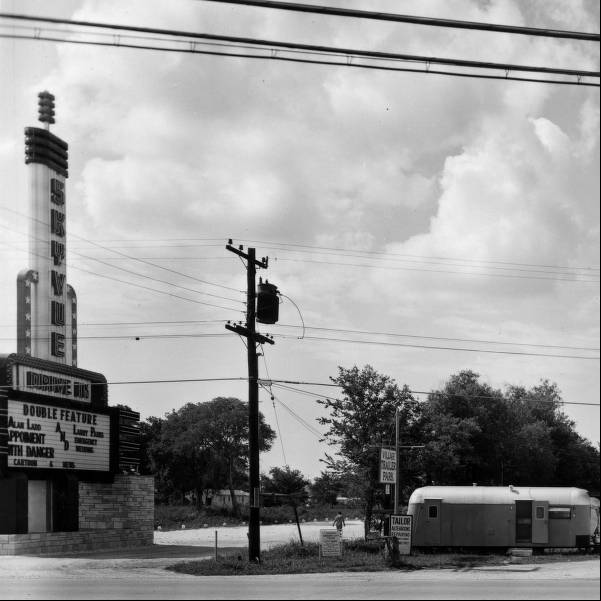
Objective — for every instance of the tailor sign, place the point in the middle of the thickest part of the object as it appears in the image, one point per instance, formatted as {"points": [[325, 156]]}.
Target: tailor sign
{"points": [[400, 526], [51, 437], [48, 383]]}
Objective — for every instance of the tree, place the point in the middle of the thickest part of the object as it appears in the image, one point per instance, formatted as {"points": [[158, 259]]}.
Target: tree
{"points": [[361, 422], [205, 446], [465, 428], [286, 481], [326, 487], [473, 433]]}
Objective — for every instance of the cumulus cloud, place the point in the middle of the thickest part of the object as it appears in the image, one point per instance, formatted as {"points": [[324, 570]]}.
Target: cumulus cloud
{"points": [[444, 174]]}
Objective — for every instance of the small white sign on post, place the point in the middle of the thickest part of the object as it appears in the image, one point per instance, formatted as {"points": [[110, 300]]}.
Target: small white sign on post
{"points": [[387, 466], [400, 526], [330, 543]]}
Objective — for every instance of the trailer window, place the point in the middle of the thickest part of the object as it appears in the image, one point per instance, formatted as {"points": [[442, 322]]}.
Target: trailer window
{"points": [[540, 512], [432, 511], [560, 513]]}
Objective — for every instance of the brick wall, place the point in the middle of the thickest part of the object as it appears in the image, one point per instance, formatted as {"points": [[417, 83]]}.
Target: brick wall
{"points": [[110, 516], [126, 503]]}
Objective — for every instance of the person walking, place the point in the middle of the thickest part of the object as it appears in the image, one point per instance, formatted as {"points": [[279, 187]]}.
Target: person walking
{"points": [[339, 523]]}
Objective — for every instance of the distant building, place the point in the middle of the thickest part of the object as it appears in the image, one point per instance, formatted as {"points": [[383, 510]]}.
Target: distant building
{"points": [[222, 499]]}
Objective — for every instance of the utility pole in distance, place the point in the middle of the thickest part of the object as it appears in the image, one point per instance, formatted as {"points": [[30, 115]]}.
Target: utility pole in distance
{"points": [[248, 331]]}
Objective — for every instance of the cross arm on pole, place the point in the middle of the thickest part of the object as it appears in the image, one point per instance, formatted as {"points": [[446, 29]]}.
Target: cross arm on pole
{"points": [[263, 263], [243, 331]]}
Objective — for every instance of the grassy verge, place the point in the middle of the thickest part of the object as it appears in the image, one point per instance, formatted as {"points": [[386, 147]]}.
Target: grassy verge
{"points": [[358, 556]]}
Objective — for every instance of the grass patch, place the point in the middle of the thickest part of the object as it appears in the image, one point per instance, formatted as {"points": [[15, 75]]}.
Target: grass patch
{"points": [[291, 558], [358, 556]]}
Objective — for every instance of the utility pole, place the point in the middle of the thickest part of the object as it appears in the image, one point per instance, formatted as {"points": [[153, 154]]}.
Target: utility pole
{"points": [[396, 452], [398, 459], [248, 331]]}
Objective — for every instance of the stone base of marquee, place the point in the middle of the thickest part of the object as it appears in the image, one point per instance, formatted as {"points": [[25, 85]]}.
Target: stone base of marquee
{"points": [[111, 515], [44, 543]]}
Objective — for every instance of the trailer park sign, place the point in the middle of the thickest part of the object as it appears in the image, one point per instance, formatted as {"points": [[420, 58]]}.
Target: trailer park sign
{"points": [[387, 466]]}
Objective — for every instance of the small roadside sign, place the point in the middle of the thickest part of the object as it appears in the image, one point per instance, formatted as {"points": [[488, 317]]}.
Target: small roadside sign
{"points": [[400, 526], [387, 466], [330, 543]]}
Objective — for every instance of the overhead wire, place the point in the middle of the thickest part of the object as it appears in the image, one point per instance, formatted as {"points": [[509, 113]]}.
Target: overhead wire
{"points": [[268, 389], [424, 392], [296, 46], [287, 46], [126, 255], [473, 340], [191, 322], [275, 57], [440, 348], [306, 425], [414, 19], [468, 273], [280, 384], [148, 288], [138, 274], [339, 251]]}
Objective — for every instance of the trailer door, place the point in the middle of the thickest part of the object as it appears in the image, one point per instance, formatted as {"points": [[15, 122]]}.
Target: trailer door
{"points": [[540, 522], [432, 522], [523, 521]]}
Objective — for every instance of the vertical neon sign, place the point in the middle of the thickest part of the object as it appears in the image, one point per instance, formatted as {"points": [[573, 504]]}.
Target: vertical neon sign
{"points": [[46, 304]]}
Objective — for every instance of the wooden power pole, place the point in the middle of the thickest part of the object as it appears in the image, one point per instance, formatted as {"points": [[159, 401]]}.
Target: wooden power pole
{"points": [[253, 338]]}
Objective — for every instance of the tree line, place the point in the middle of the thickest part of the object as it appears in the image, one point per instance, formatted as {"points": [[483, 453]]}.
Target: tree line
{"points": [[467, 432]]}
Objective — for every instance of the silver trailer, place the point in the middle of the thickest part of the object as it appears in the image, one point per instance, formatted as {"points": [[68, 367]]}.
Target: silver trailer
{"points": [[503, 516]]}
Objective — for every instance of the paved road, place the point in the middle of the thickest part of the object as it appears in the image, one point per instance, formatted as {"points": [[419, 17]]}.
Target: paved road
{"points": [[140, 574], [437, 584]]}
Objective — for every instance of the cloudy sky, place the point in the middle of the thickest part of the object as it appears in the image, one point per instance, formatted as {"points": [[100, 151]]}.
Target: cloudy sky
{"points": [[419, 223]]}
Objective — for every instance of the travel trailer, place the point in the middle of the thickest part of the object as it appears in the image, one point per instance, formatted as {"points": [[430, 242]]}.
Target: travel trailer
{"points": [[509, 516]]}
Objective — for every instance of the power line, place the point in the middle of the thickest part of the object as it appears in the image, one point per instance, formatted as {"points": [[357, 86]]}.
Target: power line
{"points": [[472, 396], [389, 267], [274, 57], [134, 336], [136, 323], [126, 255], [128, 271], [441, 348], [272, 395], [279, 383], [296, 416], [474, 340], [346, 52], [415, 20], [173, 295], [187, 323], [344, 251], [440, 262], [171, 381], [142, 336], [310, 47], [556, 276]]}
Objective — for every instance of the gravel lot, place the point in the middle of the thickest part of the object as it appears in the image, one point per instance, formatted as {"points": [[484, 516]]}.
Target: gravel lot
{"points": [[235, 536]]}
